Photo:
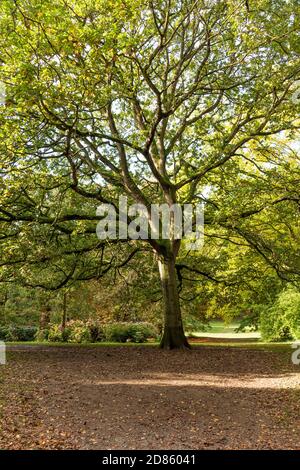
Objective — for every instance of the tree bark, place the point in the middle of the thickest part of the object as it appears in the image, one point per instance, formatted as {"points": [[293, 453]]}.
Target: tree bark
{"points": [[173, 333], [3, 305], [64, 312], [45, 316]]}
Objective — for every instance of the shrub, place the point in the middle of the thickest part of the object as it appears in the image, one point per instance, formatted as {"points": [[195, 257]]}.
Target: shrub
{"points": [[66, 334], [42, 335], [250, 322], [55, 334], [116, 332], [79, 332], [17, 333], [6, 333], [135, 332], [74, 332], [141, 332], [281, 321], [24, 333], [96, 332]]}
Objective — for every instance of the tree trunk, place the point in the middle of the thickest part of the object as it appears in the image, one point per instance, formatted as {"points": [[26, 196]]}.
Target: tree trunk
{"points": [[45, 316], [64, 312], [3, 305], [173, 334]]}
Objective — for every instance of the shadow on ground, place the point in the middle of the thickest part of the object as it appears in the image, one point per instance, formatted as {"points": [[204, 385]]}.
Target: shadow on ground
{"points": [[144, 398]]}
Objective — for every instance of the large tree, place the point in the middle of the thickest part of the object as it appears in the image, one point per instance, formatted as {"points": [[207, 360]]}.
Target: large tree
{"points": [[152, 99]]}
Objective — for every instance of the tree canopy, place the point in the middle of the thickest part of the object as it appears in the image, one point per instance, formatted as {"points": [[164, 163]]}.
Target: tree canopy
{"points": [[163, 101]]}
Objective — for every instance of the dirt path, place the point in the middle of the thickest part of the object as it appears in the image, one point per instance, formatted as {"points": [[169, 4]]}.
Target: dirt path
{"points": [[143, 398]]}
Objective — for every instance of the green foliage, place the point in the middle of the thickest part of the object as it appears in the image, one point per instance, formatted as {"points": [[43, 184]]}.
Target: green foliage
{"points": [[42, 335], [24, 333], [6, 333], [19, 305], [78, 332], [55, 334], [96, 332], [17, 333], [113, 98], [141, 332], [135, 332], [117, 332], [250, 322], [281, 321], [192, 323]]}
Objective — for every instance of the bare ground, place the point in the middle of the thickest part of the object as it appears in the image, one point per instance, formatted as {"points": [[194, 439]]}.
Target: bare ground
{"points": [[144, 398]]}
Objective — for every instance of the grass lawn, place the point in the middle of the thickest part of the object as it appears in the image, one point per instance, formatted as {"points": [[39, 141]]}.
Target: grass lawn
{"points": [[217, 326], [258, 345], [218, 329]]}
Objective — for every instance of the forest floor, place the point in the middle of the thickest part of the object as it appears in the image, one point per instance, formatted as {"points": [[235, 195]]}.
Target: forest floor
{"points": [[144, 398]]}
